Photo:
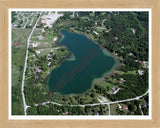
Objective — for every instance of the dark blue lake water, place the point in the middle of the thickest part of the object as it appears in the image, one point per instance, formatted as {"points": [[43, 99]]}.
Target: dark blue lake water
{"points": [[76, 76]]}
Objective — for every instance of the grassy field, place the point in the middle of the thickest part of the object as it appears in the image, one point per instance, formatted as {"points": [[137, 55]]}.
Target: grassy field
{"points": [[45, 41], [66, 23], [113, 108], [19, 36], [132, 72], [15, 75], [18, 53], [106, 84]]}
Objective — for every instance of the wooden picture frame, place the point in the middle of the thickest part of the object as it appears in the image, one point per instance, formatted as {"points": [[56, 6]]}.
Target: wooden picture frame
{"points": [[4, 54]]}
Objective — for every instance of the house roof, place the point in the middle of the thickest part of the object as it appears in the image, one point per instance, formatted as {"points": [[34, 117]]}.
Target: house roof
{"points": [[113, 88], [125, 107]]}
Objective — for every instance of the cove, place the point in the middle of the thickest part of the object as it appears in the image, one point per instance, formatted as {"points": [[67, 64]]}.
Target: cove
{"points": [[76, 76]]}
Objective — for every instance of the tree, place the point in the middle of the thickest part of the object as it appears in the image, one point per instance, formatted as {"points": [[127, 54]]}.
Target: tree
{"points": [[132, 107]]}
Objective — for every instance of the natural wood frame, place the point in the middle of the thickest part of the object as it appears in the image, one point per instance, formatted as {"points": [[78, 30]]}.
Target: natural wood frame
{"points": [[6, 4]]}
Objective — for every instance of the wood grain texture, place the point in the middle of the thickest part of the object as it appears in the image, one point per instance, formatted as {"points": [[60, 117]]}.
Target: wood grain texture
{"points": [[6, 4]]}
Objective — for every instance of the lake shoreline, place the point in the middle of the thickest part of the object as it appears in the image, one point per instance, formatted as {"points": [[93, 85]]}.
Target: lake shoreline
{"points": [[104, 50]]}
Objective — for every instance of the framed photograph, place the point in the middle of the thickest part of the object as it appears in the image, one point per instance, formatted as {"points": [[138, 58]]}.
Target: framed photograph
{"points": [[89, 64]]}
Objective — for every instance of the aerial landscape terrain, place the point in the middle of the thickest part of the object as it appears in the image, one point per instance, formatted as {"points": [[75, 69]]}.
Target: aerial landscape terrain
{"points": [[80, 63]]}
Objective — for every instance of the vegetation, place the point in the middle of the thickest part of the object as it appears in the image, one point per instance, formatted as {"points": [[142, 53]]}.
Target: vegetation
{"points": [[51, 109], [17, 104], [19, 40], [13, 14], [124, 34]]}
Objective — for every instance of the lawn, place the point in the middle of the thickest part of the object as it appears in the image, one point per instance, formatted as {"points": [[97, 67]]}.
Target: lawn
{"points": [[46, 51], [113, 108], [107, 84], [15, 76], [132, 72], [66, 23]]}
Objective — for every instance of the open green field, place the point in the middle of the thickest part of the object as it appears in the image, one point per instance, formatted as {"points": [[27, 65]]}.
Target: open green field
{"points": [[113, 109], [19, 36], [15, 75], [66, 23], [47, 38], [18, 54]]}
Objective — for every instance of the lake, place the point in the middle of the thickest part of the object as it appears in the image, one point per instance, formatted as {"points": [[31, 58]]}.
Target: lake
{"points": [[76, 76]]}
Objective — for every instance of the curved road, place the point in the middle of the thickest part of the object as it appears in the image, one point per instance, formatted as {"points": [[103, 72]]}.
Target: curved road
{"points": [[108, 103]]}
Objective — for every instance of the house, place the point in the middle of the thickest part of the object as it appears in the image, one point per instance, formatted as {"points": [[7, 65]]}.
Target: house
{"points": [[144, 64], [113, 89], [37, 52], [120, 107], [131, 54], [116, 38], [95, 32], [49, 64], [125, 107], [35, 44], [49, 57], [133, 30], [66, 113], [122, 47], [140, 72], [38, 70], [116, 91], [121, 80], [40, 37], [43, 30], [145, 104], [55, 39]]}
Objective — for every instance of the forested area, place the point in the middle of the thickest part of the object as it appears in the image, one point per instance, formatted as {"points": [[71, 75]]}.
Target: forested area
{"points": [[134, 86], [131, 46], [36, 90], [17, 104], [51, 109], [124, 35]]}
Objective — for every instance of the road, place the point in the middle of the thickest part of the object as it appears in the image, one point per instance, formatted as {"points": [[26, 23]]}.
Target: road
{"points": [[141, 109], [107, 103], [109, 112], [25, 66]]}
